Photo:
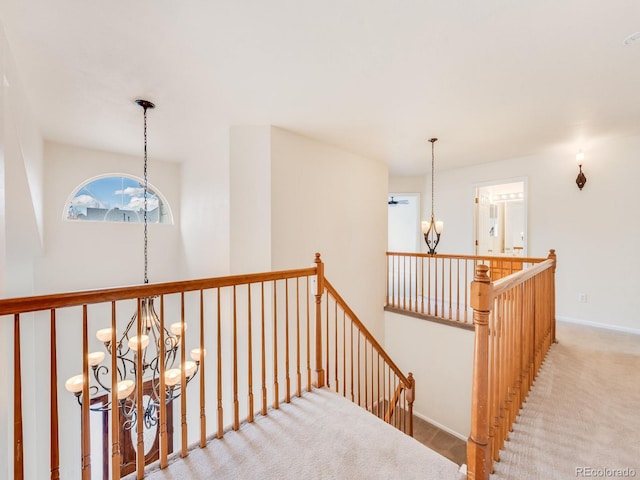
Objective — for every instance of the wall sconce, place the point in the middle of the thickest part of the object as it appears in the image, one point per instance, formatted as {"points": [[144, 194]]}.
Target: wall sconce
{"points": [[581, 180]]}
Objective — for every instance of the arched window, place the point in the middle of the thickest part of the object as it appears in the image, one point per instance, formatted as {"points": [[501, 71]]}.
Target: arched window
{"points": [[116, 198]]}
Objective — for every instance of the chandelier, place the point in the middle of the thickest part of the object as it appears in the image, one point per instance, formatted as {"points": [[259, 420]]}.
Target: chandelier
{"points": [[147, 339], [432, 228]]}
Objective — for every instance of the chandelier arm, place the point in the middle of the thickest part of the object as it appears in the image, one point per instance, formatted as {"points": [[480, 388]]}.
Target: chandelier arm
{"points": [[150, 414], [128, 327], [97, 372]]}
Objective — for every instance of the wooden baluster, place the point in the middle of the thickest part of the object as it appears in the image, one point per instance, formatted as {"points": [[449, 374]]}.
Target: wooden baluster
{"points": [[383, 389], [308, 337], [372, 377], [319, 373], [220, 412], [422, 284], [396, 281], [457, 290], [184, 451], [387, 280], [493, 377], [358, 370], [466, 292], [414, 281], [115, 404], [380, 397], [250, 357], [263, 410], [86, 400], [442, 289], [203, 412], [450, 286], [139, 405], [351, 360], [366, 376], [478, 457], [298, 375], [379, 407], [164, 434], [499, 385], [435, 286], [335, 343], [403, 289], [429, 285], [344, 355], [276, 394], [326, 317], [236, 405], [287, 397], [53, 390], [552, 295], [18, 440]]}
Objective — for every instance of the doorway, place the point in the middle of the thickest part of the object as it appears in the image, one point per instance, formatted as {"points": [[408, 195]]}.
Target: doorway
{"points": [[501, 218], [403, 222]]}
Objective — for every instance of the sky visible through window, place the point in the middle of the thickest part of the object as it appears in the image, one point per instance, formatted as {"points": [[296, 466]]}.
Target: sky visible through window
{"points": [[114, 199]]}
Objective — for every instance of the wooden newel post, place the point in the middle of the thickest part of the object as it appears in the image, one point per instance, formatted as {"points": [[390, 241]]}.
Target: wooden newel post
{"points": [[411, 396], [478, 455], [552, 256], [319, 371]]}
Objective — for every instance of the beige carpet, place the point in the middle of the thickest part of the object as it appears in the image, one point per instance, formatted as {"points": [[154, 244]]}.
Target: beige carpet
{"points": [[582, 416], [318, 436]]}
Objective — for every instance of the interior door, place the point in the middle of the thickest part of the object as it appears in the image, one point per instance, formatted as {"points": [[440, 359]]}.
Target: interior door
{"points": [[482, 223]]}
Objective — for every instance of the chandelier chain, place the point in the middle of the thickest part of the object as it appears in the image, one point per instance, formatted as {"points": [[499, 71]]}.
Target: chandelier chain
{"points": [[146, 237], [433, 193]]}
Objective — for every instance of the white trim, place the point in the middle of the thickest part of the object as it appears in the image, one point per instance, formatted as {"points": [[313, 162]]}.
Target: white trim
{"points": [[440, 426], [605, 326]]}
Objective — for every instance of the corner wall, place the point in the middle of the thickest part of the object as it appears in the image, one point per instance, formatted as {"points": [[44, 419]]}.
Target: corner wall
{"points": [[441, 360], [331, 201], [292, 196], [21, 179]]}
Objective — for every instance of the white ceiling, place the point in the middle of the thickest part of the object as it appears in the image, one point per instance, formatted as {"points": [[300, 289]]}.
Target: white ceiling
{"points": [[492, 80]]}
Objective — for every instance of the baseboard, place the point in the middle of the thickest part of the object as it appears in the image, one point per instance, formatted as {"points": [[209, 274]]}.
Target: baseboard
{"points": [[605, 326], [440, 426]]}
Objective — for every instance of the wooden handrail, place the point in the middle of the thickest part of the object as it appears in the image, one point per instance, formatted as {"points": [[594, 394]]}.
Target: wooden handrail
{"points": [[506, 283], [87, 297], [485, 258]]}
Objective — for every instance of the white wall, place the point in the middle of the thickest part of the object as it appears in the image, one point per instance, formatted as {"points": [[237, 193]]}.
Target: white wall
{"points": [[204, 210], [21, 180], [111, 252], [594, 231], [441, 360], [334, 202], [250, 199]]}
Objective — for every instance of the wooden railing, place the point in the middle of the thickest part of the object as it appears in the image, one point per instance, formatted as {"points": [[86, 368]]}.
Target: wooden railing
{"points": [[514, 320], [437, 286], [359, 368], [268, 337]]}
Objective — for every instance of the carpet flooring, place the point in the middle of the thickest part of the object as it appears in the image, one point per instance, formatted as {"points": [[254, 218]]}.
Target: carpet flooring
{"points": [[318, 436], [582, 416]]}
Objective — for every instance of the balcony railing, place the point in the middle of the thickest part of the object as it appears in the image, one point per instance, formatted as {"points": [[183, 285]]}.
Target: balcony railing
{"points": [[268, 337], [437, 286]]}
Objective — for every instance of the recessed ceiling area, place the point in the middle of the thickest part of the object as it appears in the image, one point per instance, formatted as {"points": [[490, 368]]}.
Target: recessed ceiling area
{"points": [[492, 80]]}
